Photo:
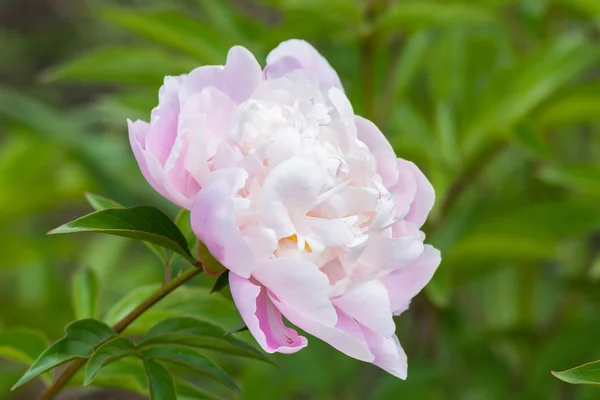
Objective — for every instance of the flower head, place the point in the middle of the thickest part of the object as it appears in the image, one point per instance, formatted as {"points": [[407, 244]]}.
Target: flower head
{"points": [[305, 203]]}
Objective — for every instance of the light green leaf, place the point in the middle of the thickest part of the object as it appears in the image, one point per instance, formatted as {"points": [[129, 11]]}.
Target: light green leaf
{"points": [[192, 332], [193, 361], [80, 340], [160, 381], [584, 178], [588, 374], [571, 109], [85, 294], [426, 14], [128, 303], [142, 223], [101, 203], [107, 353], [169, 28], [22, 345], [121, 65]]}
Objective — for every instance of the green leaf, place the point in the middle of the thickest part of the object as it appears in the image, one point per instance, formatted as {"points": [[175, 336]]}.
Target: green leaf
{"points": [[210, 265], [588, 374], [85, 294], [107, 353], [100, 203], [23, 345], [172, 29], [121, 65], [426, 14], [80, 340], [571, 109], [142, 223], [221, 282], [160, 382], [187, 391], [126, 304], [584, 178], [192, 360], [193, 332]]}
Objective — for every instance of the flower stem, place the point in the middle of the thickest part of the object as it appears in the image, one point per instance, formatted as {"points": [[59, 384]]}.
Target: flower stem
{"points": [[120, 326]]}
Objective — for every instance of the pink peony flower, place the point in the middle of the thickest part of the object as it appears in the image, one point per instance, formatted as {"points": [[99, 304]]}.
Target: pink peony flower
{"points": [[305, 203]]}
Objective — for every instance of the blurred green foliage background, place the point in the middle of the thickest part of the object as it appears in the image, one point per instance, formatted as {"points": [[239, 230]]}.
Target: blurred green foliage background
{"points": [[498, 101]]}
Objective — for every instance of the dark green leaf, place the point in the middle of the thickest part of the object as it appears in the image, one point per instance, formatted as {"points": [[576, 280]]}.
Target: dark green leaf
{"points": [[160, 382], [85, 294], [193, 332], [81, 339], [107, 353], [584, 374], [100, 203], [142, 223], [192, 360], [187, 391], [221, 282]]}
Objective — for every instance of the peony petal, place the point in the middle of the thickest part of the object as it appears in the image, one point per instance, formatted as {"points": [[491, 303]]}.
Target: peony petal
{"points": [[389, 355], [295, 54], [404, 284], [287, 193], [424, 196], [213, 221], [262, 318], [300, 285], [151, 168], [346, 336], [369, 304], [238, 79], [384, 253], [381, 148]]}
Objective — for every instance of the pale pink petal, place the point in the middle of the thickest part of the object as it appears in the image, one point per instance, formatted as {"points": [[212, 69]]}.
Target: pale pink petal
{"points": [[290, 280], [424, 196], [384, 253], [287, 193], [151, 168], [262, 318], [382, 150], [213, 221], [346, 336], [238, 79], [296, 54], [389, 355], [164, 120], [369, 304], [404, 284]]}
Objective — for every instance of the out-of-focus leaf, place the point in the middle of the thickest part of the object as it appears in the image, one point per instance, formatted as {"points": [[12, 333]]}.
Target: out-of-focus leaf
{"points": [[85, 294], [160, 381], [532, 141], [142, 223], [193, 332], [415, 15], [126, 373], [169, 28], [221, 282], [128, 303], [81, 339], [100, 203], [446, 132], [515, 93], [411, 61], [576, 108], [187, 391], [22, 345], [108, 352], [588, 374], [122, 65], [192, 360], [585, 178]]}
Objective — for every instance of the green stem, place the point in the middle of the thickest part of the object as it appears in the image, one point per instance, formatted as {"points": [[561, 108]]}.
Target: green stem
{"points": [[72, 369]]}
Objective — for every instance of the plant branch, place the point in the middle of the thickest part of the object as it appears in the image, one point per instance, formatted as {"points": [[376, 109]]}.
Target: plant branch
{"points": [[367, 60], [120, 326]]}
